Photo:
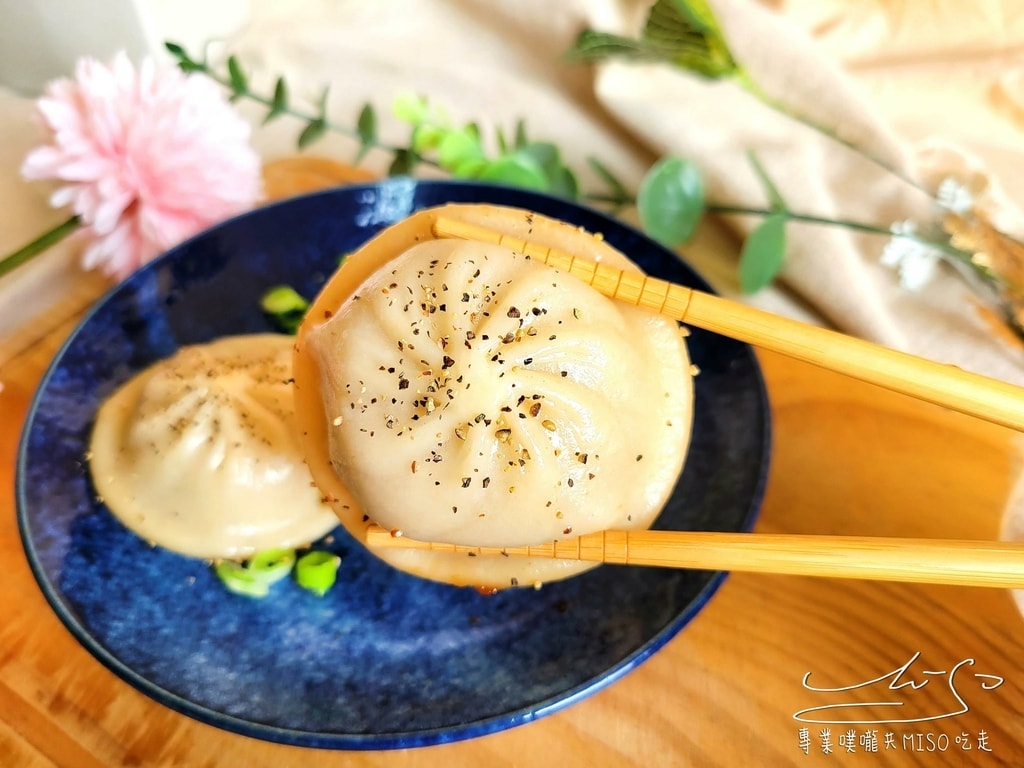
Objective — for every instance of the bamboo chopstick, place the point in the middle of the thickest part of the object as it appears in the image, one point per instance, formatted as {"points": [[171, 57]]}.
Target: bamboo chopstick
{"points": [[935, 561], [946, 385]]}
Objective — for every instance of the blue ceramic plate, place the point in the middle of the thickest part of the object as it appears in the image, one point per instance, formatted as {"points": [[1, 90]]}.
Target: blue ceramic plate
{"points": [[385, 660]]}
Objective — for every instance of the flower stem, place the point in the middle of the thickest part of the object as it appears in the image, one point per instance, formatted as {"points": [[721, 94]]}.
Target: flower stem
{"points": [[743, 79], [40, 244], [305, 117], [856, 226]]}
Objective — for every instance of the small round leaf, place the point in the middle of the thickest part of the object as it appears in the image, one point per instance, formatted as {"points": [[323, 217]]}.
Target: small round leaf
{"points": [[671, 200], [763, 253], [516, 170]]}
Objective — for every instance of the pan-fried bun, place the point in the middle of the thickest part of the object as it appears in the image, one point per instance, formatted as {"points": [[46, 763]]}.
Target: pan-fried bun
{"points": [[462, 392]]}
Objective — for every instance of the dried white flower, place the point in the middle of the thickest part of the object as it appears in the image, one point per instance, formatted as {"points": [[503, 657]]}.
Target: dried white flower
{"points": [[914, 261], [954, 196]]}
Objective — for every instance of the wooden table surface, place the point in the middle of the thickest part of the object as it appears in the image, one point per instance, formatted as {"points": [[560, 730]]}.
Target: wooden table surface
{"points": [[848, 458]]}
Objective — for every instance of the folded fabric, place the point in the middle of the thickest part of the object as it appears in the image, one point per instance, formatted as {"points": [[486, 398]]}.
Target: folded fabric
{"points": [[497, 62]]}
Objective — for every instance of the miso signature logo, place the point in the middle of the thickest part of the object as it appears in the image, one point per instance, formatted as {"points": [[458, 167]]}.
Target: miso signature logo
{"points": [[905, 689]]}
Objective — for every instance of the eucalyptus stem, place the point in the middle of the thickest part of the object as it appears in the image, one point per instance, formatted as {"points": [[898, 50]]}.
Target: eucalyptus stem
{"points": [[743, 79], [850, 224], [40, 244], [241, 89]]}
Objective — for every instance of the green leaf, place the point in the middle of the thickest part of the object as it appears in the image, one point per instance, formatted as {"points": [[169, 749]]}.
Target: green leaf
{"points": [[175, 49], [185, 62], [671, 200], [771, 191], [544, 153], [516, 170], [617, 188], [317, 571], [239, 82], [426, 137], [562, 182], [698, 13], [312, 132], [593, 46], [763, 253], [690, 30], [470, 168], [366, 127], [521, 140], [410, 108], [458, 146], [279, 104], [403, 163], [559, 179], [683, 32]]}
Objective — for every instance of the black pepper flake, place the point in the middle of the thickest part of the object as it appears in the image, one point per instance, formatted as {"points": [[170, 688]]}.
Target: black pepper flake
{"points": [[535, 409], [527, 361], [486, 482], [447, 362], [639, 456], [403, 383], [567, 530], [466, 481], [514, 312]]}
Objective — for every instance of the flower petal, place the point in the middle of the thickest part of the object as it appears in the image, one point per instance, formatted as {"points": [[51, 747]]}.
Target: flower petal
{"points": [[149, 157]]}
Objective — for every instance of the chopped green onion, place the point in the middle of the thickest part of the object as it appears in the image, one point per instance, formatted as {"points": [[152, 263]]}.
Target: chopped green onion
{"points": [[317, 571], [281, 299], [273, 564], [286, 306], [240, 580], [254, 577]]}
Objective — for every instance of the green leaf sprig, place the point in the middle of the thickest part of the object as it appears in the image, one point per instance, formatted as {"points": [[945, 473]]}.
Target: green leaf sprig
{"points": [[685, 34], [670, 200]]}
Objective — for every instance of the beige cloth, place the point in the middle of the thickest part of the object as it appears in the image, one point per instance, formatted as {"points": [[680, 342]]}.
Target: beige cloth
{"points": [[895, 76], [498, 61]]}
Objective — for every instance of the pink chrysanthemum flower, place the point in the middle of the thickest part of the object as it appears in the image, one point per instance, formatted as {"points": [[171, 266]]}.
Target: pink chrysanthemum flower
{"points": [[147, 158]]}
